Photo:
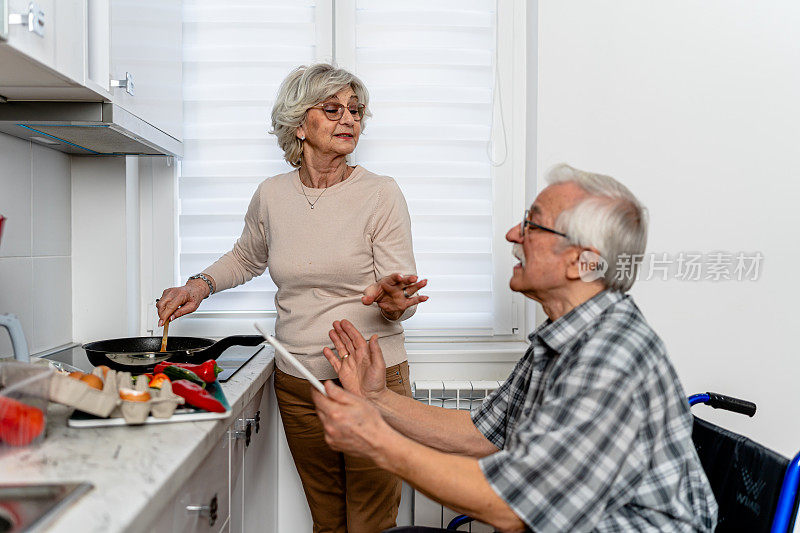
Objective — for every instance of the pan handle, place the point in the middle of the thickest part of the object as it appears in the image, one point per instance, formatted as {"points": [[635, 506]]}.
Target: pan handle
{"points": [[213, 351]]}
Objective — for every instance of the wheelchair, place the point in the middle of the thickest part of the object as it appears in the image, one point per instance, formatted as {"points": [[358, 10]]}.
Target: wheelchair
{"points": [[756, 488]]}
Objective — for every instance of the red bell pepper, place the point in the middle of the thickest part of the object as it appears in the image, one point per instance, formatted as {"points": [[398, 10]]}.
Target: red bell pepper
{"points": [[197, 396], [158, 380], [19, 423], [207, 371]]}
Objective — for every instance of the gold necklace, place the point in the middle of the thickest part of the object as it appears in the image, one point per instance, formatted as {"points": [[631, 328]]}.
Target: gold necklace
{"points": [[303, 187]]}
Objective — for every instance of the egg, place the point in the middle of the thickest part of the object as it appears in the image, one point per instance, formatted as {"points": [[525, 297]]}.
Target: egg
{"points": [[76, 375], [93, 381], [134, 395]]}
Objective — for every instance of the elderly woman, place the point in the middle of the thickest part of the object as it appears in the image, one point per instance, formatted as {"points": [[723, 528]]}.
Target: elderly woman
{"points": [[337, 241]]}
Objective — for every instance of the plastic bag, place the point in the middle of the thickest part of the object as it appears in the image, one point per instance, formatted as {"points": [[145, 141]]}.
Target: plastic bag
{"points": [[24, 390]]}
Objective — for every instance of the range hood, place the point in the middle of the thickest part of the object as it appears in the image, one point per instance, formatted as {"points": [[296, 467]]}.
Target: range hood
{"points": [[85, 128]]}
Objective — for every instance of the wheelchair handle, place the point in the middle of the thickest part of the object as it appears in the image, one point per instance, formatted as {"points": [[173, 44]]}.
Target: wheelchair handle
{"points": [[720, 401]]}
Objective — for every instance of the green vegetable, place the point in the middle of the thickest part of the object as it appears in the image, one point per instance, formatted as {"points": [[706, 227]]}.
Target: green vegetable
{"points": [[176, 372]]}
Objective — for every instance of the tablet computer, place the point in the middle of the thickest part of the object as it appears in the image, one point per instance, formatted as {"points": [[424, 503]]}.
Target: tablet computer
{"points": [[292, 360]]}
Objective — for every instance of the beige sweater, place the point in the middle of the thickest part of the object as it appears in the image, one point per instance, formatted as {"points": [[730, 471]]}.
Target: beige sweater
{"points": [[322, 259]]}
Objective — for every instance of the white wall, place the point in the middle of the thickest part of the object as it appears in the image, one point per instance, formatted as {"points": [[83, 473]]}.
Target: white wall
{"points": [[123, 243], [694, 106], [99, 248], [35, 247], [70, 266]]}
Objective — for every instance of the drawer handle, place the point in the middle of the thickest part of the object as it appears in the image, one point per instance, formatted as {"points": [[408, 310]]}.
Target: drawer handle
{"points": [[256, 420], [126, 84], [209, 510], [245, 433], [33, 19]]}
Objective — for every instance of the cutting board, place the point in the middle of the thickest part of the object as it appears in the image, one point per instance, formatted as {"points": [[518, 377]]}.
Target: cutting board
{"points": [[79, 419]]}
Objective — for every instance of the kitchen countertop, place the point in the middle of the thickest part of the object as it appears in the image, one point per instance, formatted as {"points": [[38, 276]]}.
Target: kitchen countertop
{"points": [[129, 466]]}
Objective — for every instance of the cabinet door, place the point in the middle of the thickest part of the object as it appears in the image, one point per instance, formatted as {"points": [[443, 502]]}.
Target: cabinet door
{"points": [[56, 42], [253, 481], [206, 488], [41, 44], [238, 446], [261, 469], [146, 47], [70, 20]]}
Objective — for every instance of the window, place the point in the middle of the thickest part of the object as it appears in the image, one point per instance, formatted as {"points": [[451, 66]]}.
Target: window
{"points": [[446, 125]]}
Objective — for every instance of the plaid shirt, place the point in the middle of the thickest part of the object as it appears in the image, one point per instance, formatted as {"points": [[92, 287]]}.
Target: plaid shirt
{"points": [[594, 429]]}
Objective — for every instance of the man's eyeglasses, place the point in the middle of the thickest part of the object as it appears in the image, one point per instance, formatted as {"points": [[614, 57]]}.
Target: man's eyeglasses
{"points": [[335, 110], [527, 223]]}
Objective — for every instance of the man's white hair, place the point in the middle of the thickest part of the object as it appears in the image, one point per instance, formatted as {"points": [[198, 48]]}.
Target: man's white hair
{"points": [[611, 220]]}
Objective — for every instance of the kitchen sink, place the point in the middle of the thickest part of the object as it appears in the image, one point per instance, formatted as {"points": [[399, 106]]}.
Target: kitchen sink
{"points": [[31, 507]]}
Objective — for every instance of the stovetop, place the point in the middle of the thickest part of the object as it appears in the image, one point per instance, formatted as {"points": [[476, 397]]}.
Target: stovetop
{"points": [[230, 360]]}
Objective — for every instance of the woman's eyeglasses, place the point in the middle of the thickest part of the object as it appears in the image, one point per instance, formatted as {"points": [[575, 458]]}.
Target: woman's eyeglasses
{"points": [[334, 111]]}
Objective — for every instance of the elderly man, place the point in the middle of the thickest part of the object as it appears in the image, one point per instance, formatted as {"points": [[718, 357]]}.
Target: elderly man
{"points": [[590, 432]]}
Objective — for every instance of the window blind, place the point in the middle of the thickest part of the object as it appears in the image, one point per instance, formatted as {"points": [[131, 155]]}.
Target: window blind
{"points": [[429, 67], [235, 54]]}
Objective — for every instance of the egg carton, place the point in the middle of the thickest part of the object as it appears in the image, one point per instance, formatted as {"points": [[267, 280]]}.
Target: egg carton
{"points": [[107, 402]]}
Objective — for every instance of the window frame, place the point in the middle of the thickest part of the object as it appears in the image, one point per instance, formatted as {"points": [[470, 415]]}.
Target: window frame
{"points": [[511, 310]]}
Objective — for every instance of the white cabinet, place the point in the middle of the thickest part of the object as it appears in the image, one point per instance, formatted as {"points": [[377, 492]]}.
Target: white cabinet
{"points": [[134, 58], [234, 489], [43, 52], [31, 29], [202, 503], [146, 52], [254, 467], [120, 59], [246, 432]]}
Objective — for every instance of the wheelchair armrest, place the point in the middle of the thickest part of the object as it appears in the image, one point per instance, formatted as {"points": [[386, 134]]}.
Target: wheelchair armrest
{"points": [[728, 403], [456, 522]]}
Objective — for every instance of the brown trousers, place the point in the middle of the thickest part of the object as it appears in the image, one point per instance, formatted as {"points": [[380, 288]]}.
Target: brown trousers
{"points": [[346, 494]]}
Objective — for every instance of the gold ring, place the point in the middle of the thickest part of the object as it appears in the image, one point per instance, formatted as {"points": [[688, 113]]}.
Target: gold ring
{"points": [[345, 355], [406, 294]]}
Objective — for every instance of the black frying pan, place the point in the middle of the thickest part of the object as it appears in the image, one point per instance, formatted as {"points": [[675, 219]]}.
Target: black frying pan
{"points": [[140, 355]]}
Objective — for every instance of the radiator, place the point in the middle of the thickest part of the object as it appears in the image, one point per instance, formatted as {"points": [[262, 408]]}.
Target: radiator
{"points": [[450, 395]]}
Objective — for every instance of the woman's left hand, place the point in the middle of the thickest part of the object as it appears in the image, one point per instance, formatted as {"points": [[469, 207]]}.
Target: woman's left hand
{"points": [[394, 294]]}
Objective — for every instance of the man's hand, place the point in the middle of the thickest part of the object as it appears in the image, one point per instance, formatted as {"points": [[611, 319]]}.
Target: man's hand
{"points": [[351, 424], [361, 367], [355, 427], [394, 294]]}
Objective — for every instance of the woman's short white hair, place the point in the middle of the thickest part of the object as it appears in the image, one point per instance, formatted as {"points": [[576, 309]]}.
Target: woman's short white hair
{"points": [[304, 87], [611, 220]]}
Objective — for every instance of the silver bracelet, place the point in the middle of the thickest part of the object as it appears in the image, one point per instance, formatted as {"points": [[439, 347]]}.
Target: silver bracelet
{"points": [[207, 280]]}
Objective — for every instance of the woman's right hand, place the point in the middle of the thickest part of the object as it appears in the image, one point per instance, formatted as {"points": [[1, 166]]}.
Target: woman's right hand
{"points": [[178, 301], [394, 294], [362, 370]]}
